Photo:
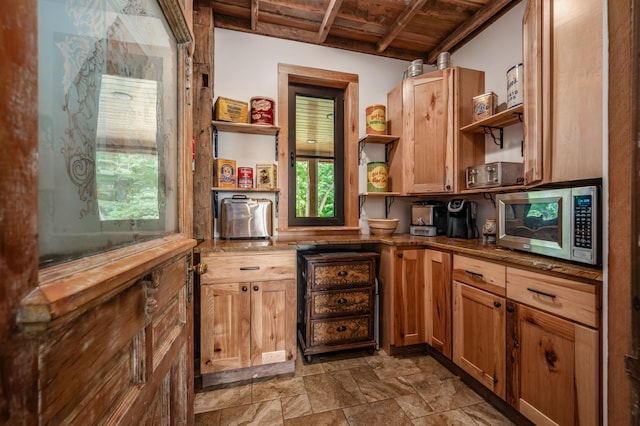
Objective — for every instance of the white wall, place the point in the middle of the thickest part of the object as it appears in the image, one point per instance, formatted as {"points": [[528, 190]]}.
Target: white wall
{"points": [[247, 65]]}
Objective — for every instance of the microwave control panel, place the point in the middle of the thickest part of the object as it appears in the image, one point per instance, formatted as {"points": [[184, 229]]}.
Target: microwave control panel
{"points": [[583, 221]]}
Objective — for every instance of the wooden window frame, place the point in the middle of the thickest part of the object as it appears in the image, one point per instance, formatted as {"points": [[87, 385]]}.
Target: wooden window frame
{"points": [[324, 78]]}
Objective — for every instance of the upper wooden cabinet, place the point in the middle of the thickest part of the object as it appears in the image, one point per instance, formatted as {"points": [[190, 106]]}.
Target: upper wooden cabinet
{"points": [[562, 55], [427, 112]]}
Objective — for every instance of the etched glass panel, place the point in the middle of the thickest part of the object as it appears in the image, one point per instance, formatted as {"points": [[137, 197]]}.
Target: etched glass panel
{"points": [[108, 135]]}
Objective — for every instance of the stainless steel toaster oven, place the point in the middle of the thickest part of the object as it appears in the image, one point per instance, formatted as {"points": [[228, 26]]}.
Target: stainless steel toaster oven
{"points": [[243, 217], [499, 173]]}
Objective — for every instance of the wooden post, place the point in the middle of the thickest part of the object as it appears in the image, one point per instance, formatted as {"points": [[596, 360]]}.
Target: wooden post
{"points": [[202, 116]]}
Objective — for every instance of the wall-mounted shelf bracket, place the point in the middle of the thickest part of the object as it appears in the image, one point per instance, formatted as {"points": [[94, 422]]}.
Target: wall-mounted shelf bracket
{"points": [[277, 206], [215, 204], [388, 201], [215, 142], [488, 130], [277, 136], [361, 200]]}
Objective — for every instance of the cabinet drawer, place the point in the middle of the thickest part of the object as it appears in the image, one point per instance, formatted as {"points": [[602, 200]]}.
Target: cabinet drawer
{"points": [[226, 268], [340, 303], [341, 330], [479, 273], [341, 274], [565, 298]]}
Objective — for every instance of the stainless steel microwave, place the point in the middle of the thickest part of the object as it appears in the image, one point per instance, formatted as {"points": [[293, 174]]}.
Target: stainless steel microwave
{"points": [[562, 223]]}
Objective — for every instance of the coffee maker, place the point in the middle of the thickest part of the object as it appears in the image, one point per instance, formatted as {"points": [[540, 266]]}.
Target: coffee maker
{"points": [[461, 219]]}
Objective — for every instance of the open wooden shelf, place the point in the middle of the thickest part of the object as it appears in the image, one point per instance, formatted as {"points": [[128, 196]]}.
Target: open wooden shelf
{"points": [[256, 129], [245, 189], [499, 120]]}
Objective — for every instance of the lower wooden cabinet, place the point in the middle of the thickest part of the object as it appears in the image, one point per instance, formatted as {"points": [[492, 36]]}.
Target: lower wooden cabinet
{"points": [[479, 321], [479, 328], [554, 374], [416, 298], [249, 321], [439, 302]]}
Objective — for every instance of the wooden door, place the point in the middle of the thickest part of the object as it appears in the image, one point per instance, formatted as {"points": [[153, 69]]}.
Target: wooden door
{"points": [[533, 109], [438, 290], [225, 318], [429, 118], [273, 319], [558, 356], [409, 298], [479, 336]]}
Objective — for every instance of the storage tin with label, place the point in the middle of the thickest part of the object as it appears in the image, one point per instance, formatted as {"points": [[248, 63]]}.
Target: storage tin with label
{"points": [[262, 110], [245, 177], [515, 76], [226, 109], [376, 120], [484, 106], [224, 173], [377, 176], [266, 176]]}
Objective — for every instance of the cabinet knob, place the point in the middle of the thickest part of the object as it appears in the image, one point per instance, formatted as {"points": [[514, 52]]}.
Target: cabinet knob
{"points": [[342, 273], [244, 288], [342, 300], [497, 304], [341, 328], [256, 288], [510, 309], [399, 255], [199, 269]]}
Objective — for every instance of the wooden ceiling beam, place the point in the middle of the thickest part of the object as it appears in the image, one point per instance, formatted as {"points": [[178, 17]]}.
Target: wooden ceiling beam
{"points": [[480, 19], [327, 21], [254, 15], [398, 26]]}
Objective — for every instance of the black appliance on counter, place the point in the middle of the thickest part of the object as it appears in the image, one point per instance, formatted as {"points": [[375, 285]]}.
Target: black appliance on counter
{"points": [[461, 219]]}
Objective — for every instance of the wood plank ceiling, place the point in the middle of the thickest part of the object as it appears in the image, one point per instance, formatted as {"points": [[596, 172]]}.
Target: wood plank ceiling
{"points": [[400, 29]]}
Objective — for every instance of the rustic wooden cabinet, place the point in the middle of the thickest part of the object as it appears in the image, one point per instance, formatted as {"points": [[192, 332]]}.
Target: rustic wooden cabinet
{"points": [[563, 66], [416, 298], [427, 112], [337, 299], [247, 315], [553, 344], [438, 303], [479, 321]]}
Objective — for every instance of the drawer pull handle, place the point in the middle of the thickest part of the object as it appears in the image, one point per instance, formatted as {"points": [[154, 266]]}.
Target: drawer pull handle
{"points": [[533, 290], [341, 328], [342, 273], [474, 274], [250, 268], [342, 300]]}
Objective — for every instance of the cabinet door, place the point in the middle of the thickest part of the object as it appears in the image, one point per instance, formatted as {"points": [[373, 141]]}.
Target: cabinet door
{"points": [[562, 50], [479, 333], [438, 289], [273, 321], [532, 65], [224, 330], [430, 134], [559, 357], [409, 298]]}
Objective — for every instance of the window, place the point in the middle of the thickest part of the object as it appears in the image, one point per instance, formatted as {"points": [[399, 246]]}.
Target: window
{"points": [[109, 134], [316, 152]]}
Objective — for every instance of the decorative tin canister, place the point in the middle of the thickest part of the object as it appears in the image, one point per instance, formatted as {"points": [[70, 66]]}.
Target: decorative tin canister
{"points": [[377, 176], [245, 177], [376, 120], [262, 110], [484, 106], [515, 78]]}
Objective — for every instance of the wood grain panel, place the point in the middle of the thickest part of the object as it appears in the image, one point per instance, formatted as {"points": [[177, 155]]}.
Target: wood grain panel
{"points": [[479, 336], [479, 273], [439, 303], [558, 296], [225, 268], [409, 298], [69, 362]]}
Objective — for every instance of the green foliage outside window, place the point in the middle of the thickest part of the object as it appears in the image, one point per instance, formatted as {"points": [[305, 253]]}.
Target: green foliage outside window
{"points": [[326, 191]]}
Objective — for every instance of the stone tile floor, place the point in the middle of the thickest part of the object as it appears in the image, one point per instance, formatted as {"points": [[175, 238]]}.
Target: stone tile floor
{"points": [[365, 390]]}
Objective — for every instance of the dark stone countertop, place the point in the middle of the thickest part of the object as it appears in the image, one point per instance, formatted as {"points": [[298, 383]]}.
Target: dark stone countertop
{"points": [[474, 247]]}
